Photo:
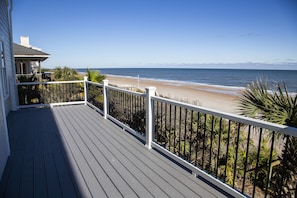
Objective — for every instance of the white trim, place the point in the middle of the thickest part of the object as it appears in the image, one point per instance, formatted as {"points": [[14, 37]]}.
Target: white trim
{"points": [[31, 56], [48, 83], [126, 91], [51, 104], [105, 98], [94, 83], [150, 91]]}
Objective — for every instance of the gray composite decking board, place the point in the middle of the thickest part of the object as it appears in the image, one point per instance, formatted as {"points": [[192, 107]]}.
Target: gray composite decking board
{"points": [[71, 151], [108, 185], [95, 184], [116, 129], [66, 182], [153, 188], [132, 178], [144, 166], [149, 184], [163, 169], [120, 140]]}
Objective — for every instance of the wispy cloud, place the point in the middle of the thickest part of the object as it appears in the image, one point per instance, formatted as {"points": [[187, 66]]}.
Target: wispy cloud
{"points": [[250, 34]]}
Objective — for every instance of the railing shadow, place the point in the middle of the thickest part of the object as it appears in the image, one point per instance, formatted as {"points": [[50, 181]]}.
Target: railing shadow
{"points": [[40, 164]]}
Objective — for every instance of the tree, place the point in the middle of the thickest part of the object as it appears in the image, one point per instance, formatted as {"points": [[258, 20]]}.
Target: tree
{"points": [[65, 74], [278, 107], [95, 93], [95, 76]]}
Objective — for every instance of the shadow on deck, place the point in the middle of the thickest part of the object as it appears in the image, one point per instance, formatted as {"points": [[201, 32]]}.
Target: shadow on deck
{"points": [[71, 151]]}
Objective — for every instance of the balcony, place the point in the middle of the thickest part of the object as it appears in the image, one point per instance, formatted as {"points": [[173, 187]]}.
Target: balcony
{"points": [[102, 141]]}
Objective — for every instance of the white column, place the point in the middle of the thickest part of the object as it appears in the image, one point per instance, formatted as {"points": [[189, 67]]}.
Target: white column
{"points": [[14, 95], [86, 89], [105, 110], [150, 91]]}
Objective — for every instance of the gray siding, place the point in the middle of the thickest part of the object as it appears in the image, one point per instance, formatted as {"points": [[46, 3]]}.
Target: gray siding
{"points": [[4, 102], [5, 37]]}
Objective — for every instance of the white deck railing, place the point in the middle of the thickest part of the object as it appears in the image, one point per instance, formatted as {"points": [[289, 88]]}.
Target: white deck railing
{"points": [[230, 151]]}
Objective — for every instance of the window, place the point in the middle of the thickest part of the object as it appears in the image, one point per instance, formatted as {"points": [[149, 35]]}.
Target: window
{"points": [[3, 70]]}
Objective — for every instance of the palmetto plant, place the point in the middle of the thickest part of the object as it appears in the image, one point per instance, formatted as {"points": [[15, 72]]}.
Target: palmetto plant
{"points": [[95, 76], [276, 106]]}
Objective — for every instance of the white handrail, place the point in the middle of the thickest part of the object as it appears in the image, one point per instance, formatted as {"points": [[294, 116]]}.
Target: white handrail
{"points": [[287, 130], [125, 91], [51, 82]]}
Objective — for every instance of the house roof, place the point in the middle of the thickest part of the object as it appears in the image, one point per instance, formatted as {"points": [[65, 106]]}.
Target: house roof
{"points": [[22, 52]]}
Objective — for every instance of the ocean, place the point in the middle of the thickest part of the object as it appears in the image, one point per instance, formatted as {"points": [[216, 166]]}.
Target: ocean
{"points": [[231, 78]]}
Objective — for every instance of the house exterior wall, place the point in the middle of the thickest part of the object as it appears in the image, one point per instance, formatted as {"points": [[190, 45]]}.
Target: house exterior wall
{"points": [[23, 67], [26, 67], [5, 38], [5, 92]]}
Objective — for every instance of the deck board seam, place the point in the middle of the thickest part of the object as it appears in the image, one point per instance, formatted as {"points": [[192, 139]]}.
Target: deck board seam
{"points": [[140, 161], [113, 165], [71, 155], [94, 158], [84, 158], [121, 162], [160, 166]]}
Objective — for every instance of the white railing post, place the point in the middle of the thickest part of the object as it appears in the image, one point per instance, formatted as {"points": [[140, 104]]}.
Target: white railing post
{"points": [[86, 89], [150, 91], [105, 110], [14, 95]]}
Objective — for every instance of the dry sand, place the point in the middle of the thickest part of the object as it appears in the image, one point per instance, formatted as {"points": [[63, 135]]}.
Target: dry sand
{"points": [[217, 98]]}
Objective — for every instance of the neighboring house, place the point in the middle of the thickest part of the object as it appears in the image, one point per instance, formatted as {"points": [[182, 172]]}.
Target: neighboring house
{"points": [[7, 78], [28, 58]]}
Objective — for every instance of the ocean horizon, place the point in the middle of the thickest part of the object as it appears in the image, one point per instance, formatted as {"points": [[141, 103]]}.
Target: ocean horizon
{"points": [[229, 78]]}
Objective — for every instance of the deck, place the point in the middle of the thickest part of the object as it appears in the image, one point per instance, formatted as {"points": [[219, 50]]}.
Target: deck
{"points": [[71, 151]]}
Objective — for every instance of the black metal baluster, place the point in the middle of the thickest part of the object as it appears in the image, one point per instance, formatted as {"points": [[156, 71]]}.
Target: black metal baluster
{"points": [[219, 147], [161, 132], [170, 112], [174, 135], [246, 158], [269, 169], [236, 155], [185, 135], [122, 102], [204, 137], [131, 108], [125, 104], [180, 123], [211, 142], [197, 138], [257, 163], [165, 132], [284, 161], [227, 153], [191, 135], [158, 121]]}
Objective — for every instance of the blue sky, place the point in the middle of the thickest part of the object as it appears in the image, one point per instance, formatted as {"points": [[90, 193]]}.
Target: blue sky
{"points": [[145, 33]]}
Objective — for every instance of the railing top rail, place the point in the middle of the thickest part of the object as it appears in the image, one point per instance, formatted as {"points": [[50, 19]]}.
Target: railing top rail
{"points": [[126, 91], [51, 82], [238, 118], [94, 83]]}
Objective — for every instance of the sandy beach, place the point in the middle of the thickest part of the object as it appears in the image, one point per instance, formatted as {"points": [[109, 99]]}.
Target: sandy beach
{"points": [[217, 98]]}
